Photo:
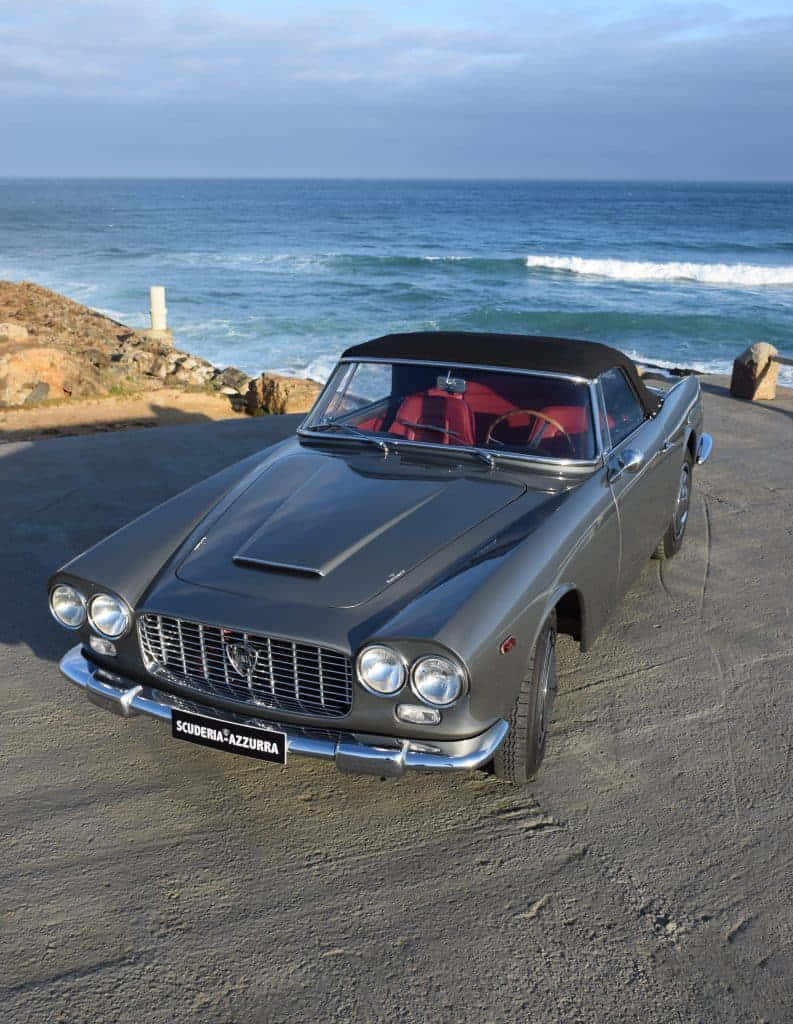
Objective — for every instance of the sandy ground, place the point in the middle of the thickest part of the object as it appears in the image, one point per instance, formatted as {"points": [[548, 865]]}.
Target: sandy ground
{"points": [[646, 875], [161, 408]]}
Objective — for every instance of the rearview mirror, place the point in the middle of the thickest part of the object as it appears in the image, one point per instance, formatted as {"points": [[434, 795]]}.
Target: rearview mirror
{"points": [[454, 385]]}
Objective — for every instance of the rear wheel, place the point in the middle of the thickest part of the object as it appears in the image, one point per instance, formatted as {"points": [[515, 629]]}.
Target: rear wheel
{"points": [[670, 543], [520, 755]]}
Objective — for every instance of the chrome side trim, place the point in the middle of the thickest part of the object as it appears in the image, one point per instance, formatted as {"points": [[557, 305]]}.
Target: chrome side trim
{"points": [[704, 448], [121, 696]]}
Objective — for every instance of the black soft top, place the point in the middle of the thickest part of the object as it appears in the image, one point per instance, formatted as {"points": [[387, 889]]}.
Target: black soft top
{"points": [[586, 359]]}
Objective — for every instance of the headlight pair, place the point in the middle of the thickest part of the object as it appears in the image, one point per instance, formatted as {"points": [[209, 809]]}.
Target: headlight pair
{"points": [[108, 615], [437, 680]]}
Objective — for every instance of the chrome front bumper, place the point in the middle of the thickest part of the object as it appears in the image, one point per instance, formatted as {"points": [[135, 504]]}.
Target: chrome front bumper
{"points": [[127, 698]]}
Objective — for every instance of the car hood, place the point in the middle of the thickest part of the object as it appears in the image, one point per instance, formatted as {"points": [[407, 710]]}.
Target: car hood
{"points": [[338, 529]]}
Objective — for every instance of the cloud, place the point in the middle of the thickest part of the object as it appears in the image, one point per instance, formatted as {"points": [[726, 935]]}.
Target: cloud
{"points": [[353, 77]]}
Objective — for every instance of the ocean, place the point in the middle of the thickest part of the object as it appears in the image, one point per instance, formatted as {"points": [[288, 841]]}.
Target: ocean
{"points": [[283, 275]]}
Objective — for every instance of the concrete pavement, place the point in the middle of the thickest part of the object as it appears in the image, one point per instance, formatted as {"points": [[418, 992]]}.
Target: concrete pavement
{"points": [[645, 875]]}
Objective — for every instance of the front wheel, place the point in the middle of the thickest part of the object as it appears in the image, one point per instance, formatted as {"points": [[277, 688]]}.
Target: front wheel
{"points": [[670, 543], [519, 757]]}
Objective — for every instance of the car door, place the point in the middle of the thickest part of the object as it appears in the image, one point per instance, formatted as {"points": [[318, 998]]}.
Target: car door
{"points": [[638, 472]]}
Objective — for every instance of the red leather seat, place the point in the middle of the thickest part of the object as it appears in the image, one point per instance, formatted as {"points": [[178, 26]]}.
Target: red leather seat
{"points": [[488, 401], [374, 423], [435, 416], [575, 436], [573, 419]]}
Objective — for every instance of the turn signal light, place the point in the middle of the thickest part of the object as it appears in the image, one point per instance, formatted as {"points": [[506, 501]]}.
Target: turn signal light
{"points": [[417, 715], [96, 643]]}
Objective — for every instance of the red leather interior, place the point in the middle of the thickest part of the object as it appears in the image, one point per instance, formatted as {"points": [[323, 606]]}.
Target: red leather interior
{"points": [[374, 423], [572, 418], [449, 415], [428, 415], [488, 403]]}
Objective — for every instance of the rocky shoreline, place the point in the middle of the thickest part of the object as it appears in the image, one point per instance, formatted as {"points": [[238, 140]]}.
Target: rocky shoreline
{"points": [[55, 350], [68, 369]]}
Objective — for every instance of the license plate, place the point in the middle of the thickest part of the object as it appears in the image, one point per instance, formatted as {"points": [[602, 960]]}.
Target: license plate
{"points": [[264, 744]]}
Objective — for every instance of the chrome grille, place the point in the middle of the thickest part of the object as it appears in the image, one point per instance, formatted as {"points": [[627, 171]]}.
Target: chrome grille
{"points": [[269, 672]]}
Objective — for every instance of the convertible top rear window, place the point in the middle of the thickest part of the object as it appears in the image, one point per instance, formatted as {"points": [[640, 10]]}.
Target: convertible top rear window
{"points": [[498, 411]]}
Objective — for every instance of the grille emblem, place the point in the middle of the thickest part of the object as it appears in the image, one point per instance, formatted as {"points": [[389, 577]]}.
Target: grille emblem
{"points": [[243, 659]]}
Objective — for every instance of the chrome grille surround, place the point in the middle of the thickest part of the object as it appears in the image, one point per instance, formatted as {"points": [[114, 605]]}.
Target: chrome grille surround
{"points": [[263, 671]]}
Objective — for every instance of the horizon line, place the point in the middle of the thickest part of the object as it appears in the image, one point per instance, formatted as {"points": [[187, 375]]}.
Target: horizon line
{"points": [[406, 179]]}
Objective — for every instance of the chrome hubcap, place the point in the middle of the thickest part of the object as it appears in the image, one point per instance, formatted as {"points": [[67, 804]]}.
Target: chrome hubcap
{"points": [[683, 498]]}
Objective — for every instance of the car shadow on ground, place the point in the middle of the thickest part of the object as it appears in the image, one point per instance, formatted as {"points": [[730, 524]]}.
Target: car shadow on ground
{"points": [[62, 495]]}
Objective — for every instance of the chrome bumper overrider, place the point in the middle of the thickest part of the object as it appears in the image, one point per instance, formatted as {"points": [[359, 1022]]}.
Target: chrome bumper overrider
{"points": [[704, 448], [127, 698]]}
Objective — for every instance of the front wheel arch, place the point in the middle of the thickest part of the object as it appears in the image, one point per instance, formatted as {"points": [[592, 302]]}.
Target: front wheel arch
{"points": [[519, 757], [569, 607]]}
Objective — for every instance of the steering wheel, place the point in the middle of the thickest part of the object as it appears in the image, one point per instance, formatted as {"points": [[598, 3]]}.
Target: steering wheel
{"points": [[539, 416], [430, 426]]}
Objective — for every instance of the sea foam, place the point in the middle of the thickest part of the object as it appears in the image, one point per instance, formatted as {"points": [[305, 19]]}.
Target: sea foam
{"points": [[743, 275]]}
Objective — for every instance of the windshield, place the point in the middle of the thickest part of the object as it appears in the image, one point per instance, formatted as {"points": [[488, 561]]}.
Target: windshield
{"points": [[499, 411]]}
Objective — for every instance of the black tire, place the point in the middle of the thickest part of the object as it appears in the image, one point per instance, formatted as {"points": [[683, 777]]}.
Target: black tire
{"points": [[519, 757], [672, 540]]}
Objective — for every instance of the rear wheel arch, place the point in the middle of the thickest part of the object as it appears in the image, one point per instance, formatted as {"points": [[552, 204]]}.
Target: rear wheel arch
{"points": [[691, 444], [670, 543]]}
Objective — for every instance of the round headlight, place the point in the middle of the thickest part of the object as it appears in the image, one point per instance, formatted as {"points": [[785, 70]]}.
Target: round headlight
{"points": [[437, 680], [68, 606], [381, 670], [108, 615]]}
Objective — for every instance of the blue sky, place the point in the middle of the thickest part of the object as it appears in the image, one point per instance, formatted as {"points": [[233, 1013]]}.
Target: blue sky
{"points": [[374, 89]]}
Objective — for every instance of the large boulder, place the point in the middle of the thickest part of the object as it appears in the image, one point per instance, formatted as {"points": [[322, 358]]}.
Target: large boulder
{"points": [[190, 371], [231, 378], [254, 396], [23, 371], [275, 395], [755, 372]]}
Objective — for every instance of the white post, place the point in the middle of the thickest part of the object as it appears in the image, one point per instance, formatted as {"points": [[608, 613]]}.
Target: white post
{"points": [[159, 312]]}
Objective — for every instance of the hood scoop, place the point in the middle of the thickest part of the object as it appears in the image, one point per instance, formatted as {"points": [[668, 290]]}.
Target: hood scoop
{"points": [[250, 562], [327, 530], [356, 520]]}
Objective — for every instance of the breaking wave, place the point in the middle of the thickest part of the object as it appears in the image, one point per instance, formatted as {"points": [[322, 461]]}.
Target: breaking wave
{"points": [[743, 275]]}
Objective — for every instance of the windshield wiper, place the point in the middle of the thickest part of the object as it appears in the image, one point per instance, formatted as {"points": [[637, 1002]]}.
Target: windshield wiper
{"points": [[487, 457], [326, 426], [351, 431]]}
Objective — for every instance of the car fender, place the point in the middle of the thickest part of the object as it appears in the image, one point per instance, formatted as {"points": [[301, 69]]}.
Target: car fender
{"points": [[571, 552]]}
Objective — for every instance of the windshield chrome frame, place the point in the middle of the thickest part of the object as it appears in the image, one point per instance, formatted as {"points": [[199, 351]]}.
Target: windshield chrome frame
{"points": [[519, 457]]}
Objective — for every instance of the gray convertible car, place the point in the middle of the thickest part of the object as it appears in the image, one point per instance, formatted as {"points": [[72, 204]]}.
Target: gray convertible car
{"points": [[385, 589]]}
